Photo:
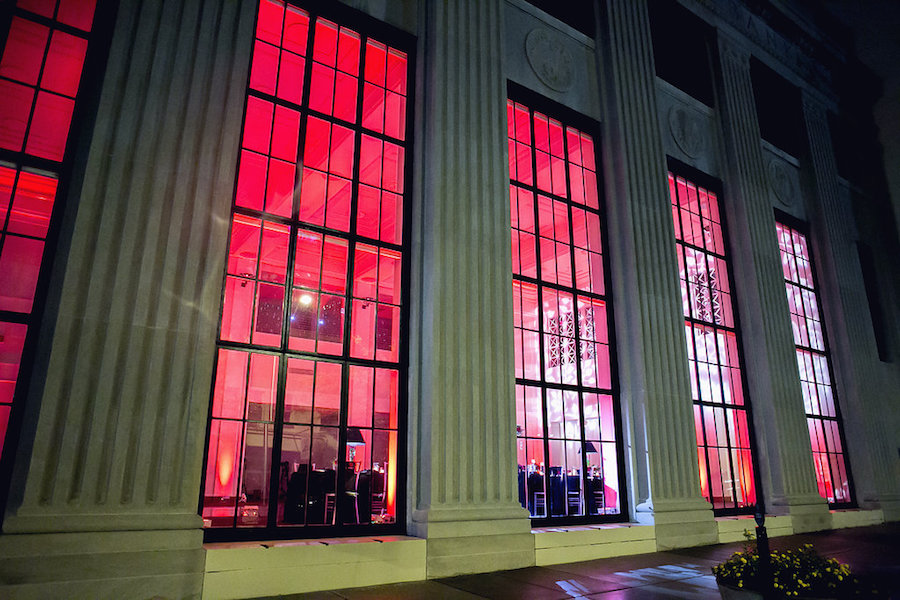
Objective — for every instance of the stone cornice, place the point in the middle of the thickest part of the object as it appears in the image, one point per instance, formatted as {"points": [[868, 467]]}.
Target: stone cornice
{"points": [[810, 60]]}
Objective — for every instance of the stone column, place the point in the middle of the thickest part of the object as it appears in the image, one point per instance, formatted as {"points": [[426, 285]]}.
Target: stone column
{"points": [[463, 462], [104, 492], [656, 384], [782, 438], [861, 383]]}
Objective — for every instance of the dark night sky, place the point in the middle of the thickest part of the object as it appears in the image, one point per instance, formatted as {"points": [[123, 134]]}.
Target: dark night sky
{"points": [[876, 30]]}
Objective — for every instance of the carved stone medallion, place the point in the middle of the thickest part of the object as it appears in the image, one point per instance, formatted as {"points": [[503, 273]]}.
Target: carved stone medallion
{"points": [[687, 131], [782, 183], [550, 59]]}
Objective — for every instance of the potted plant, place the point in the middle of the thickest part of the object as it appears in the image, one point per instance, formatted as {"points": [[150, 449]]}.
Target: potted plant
{"points": [[799, 573]]}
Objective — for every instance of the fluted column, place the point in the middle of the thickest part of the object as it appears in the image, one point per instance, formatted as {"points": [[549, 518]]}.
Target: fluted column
{"points": [[464, 471], [782, 438], [656, 385], [114, 436], [861, 395]]}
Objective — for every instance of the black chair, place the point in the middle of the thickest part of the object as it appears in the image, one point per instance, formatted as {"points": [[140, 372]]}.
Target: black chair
{"points": [[295, 496], [320, 499], [537, 496], [573, 495], [557, 492]]}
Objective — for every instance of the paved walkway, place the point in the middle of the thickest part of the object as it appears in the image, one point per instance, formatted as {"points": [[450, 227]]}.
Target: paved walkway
{"points": [[872, 552]]}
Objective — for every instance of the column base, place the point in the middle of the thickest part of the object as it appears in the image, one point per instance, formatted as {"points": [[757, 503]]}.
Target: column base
{"points": [[890, 507], [112, 564], [680, 523], [461, 540], [808, 513]]}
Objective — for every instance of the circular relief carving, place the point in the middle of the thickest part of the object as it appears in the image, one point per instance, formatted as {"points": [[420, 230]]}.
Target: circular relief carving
{"points": [[550, 59], [782, 183], [687, 131]]}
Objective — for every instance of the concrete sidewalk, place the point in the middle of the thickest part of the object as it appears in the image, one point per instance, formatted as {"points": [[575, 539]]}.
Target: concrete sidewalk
{"points": [[872, 552]]}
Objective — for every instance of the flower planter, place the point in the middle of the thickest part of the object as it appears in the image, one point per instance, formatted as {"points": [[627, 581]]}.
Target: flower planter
{"points": [[732, 593]]}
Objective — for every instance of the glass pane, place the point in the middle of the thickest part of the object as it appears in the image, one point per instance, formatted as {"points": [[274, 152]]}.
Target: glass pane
{"points": [[345, 97], [312, 197], [32, 205], [251, 180], [4, 423], [253, 502], [331, 325], [296, 28], [321, 94], [269, 315], [367, 217], [280, 188], [237, 309], [362, 382], [295, 449], [274, 252], [262, 387], [290, 77], [325, 43], [12, 340], [322, 477], [298, 391], [268, 23], [222, 466], [49, 126], [375, 63], [230, 386], [362, 329], [20, 264], [327, 394], [24, 52], [15, 105], [373, 107], [62, 71], [264, 69], [337, 215], [334, 265], [386, 398]]}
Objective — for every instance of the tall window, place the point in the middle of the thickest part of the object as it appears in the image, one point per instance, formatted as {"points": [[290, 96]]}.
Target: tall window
{"points": [[306, 406], [721, 414], [822, 414], [44, 49], [566, 397]]}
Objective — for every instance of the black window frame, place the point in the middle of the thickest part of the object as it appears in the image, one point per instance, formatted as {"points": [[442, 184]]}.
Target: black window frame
{"points": [[805, 229], [701, 179], [568, 117], [69, 173], [367, 27]]}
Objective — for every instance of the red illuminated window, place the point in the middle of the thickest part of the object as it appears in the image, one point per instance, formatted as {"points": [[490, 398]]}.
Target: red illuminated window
{"points": [[822, 414], [41, 64], [721, 412], [566, 398], [305, 427]]}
